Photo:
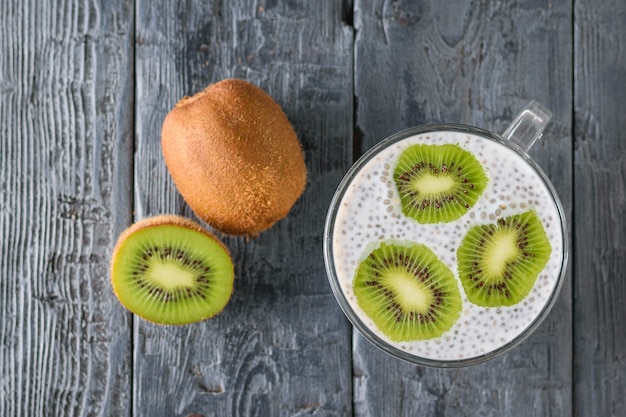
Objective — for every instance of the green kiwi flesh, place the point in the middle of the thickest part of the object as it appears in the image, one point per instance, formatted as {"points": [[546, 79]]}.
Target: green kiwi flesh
{"points": [[499, 263], [407, 291], [438, 183], [169, 270]]}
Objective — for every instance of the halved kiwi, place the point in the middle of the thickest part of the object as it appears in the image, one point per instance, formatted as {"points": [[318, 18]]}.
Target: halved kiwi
{"points": [[438, 183], [170, 270], [499, 263], [407, 291]]}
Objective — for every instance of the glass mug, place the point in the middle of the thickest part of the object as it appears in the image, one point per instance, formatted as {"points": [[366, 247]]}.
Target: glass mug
{"points": [[366, 213]]}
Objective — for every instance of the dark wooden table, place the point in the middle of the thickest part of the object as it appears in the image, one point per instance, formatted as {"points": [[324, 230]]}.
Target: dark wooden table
{"points": [[84, 88]]}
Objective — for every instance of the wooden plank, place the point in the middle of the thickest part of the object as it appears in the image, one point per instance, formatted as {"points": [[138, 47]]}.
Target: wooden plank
{"points": [[476, 63], [600, 208], [281, 347], [65, 174]]}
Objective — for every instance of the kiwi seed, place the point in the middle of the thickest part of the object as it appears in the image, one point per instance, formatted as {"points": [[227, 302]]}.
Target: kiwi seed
{"points": [[234, 157], [407, 291], [499, 263], [438, 183], [169, 270]]}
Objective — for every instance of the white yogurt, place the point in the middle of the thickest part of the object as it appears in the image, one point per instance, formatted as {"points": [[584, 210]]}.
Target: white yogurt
{"points": [[370, 213]]}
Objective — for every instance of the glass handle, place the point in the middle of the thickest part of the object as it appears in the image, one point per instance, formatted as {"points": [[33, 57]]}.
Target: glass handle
{"points": [[528, 126]]}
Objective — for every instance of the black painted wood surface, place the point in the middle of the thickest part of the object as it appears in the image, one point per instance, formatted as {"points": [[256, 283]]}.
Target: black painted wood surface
{"points": [[84, 88]]}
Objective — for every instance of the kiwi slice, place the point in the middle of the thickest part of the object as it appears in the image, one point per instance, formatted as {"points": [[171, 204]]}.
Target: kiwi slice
{"points": [[438, 183], [169, 270], [407, 291], [499, 263]]}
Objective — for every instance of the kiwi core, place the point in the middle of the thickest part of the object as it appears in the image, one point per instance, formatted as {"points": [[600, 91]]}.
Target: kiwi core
{"points": [[502, 250], [169, 276], [432, 184], [410, 294]]}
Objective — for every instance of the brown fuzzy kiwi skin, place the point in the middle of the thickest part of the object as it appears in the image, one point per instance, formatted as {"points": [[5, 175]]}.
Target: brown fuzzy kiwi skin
{"points": [[155, 221], [234, 157]]}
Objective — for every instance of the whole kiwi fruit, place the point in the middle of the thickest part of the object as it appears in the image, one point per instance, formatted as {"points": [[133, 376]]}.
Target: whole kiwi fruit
{"points": [[234, 157]]}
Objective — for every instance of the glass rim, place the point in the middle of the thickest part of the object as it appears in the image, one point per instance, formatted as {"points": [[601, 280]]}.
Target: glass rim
{"points": [[353, 317]]}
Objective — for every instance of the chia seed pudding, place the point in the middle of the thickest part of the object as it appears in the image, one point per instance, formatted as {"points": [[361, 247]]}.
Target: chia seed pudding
{"points": [[370, 213]]}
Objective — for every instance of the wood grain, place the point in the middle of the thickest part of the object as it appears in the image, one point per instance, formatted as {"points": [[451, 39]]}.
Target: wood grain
{"points": [[476, 63], [65, 148], [600, 209], [83, 92], [281, 346]]}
